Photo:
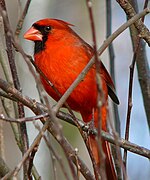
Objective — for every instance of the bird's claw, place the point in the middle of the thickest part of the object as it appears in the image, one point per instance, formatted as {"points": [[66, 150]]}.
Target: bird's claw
{"points": [[90, 127]]}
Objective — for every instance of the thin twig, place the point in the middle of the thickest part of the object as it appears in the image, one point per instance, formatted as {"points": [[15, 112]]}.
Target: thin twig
{"points": [[116, 154], [31, 159], [100, 97], [21, 19], [129, 103], [112, 61], [24, 119], [77, 163]]}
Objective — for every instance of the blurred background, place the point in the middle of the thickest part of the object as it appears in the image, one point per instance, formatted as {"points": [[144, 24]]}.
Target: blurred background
{"points": [[76, 13]]}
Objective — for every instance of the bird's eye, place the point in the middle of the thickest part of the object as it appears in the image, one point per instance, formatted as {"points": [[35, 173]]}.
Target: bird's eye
{"points": [[47, 28]]}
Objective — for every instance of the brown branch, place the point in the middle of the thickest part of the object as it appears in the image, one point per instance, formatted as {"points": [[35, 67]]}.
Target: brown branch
{"points": [[142, 68], [130, 12], [31, 159], [132, 67], [112, 60], [100, 97], [24, 119], [40, 108], [116, 151], [11, 59], [21, 19], [128, 145], [106, 136]]}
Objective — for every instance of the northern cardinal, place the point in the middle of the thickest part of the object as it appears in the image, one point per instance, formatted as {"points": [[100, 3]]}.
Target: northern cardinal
{"points": [[61, 55]]}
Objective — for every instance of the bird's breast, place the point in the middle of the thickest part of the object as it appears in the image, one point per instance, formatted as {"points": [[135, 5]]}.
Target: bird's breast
{"points": [[62, 70]]}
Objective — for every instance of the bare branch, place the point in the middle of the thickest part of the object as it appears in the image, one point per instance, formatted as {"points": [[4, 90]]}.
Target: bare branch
{"points": [[116, 152], [141, 28], [112, 60], [100, 97], [11, 59], [40, 108], [142, 67], [21, 20]]}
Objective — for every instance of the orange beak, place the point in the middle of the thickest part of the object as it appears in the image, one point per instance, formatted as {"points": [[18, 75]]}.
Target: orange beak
{"points": [[33, 35]]}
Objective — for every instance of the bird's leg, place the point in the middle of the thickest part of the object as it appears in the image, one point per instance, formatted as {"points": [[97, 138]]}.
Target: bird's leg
{"points": [[89, 126]]}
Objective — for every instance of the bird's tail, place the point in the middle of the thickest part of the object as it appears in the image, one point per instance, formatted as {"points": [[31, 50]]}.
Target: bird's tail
{"points": [[109, 165]]}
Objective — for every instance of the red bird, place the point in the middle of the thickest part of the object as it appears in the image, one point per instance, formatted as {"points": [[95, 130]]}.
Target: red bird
{"points": [[61, 55]]}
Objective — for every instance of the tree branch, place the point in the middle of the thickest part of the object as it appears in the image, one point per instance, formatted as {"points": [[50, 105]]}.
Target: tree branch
{"points": [[11, 59], [141, 28], [42, 110], [21, 19], [142, 67]]}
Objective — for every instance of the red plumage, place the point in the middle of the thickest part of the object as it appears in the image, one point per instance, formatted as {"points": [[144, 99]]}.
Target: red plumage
{"points": [[61, 55]]}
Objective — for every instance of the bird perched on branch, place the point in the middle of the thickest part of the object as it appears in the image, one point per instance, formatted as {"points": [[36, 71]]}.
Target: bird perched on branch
{"points": [[61, 55]]}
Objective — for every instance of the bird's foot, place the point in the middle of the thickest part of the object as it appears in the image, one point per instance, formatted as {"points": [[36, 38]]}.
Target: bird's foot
{"points": [[90, 127]]}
